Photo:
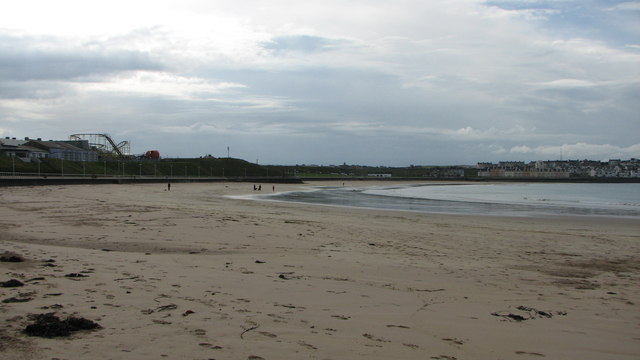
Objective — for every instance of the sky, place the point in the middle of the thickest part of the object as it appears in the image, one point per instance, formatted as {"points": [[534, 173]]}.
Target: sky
{"points": [[391, 83]]}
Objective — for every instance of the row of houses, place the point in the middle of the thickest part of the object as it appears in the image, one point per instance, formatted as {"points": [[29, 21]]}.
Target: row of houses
{"points": [[559, 169], [32, 150]]}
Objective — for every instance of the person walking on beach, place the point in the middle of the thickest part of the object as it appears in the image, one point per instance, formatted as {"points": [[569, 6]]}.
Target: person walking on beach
{"points": [[168, 186]]}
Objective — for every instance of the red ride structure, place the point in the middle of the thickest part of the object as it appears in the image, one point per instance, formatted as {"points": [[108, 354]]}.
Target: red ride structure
{"points": [[152, 154]]}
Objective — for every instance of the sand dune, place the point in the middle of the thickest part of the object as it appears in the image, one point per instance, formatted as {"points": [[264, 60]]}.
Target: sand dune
{"points": [[191, 274]]}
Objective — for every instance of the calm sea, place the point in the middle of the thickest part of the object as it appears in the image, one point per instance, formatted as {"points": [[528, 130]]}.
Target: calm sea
{"points": [[503, 199]]}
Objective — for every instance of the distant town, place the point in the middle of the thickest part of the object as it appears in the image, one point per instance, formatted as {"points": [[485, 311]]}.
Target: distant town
{"points": [[85, 148], [559, 169]]}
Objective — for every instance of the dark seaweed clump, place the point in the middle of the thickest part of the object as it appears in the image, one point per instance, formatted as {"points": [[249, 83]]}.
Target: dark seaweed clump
{"points": [[11, 283], [49, 325], [8, 257]]}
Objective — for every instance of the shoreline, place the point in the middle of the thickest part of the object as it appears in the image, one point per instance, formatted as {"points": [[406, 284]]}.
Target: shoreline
{"points": [[254, 279], [434, 206]]}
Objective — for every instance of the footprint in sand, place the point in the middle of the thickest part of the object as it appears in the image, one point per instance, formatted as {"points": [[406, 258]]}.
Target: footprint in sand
{"points": [[199, 332], [454, 341], [529, 353], [373, 338], [268, 334], [398, 326], [308, 346], [341, 317]]}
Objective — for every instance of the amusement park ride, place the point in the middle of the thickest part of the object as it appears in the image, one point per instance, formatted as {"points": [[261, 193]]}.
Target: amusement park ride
{"points": [[104, 144]]}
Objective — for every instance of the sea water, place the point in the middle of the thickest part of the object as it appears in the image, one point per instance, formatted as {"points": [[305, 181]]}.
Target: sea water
{"points": [[500, 199]]}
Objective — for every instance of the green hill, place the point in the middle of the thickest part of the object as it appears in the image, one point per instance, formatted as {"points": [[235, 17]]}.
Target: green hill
{"points": [[198, 167]]}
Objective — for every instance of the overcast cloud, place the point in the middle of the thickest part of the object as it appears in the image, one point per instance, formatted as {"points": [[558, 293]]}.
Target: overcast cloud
{"points": [[363, 82]]}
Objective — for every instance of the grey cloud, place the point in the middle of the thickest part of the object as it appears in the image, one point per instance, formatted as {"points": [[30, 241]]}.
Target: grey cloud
{"points": [[613, 21], [30, 58], [302, 43], [33, 90], [367, 97]]}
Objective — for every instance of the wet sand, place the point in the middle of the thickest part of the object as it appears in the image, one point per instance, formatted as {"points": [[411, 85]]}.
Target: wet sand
{"points": [[189, 273]]}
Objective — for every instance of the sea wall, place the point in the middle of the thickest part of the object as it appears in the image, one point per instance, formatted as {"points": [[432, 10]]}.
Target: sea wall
{"points": [[38, 181]]}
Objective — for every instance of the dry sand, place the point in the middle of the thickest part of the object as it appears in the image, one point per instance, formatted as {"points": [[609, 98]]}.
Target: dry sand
{"points": [[190, 274]]}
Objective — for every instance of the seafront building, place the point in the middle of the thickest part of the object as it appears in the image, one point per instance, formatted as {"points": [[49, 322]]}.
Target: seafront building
{"points": [[32, 150], [561, 169]]}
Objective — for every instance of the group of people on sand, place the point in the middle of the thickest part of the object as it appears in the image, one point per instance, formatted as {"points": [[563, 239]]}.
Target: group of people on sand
{"points": [[258, 188]]}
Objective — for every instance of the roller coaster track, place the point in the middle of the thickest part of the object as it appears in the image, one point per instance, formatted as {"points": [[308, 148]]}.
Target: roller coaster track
{"points": [[104, 143]]}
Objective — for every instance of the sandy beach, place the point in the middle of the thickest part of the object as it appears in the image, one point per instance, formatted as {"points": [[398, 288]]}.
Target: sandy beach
{"points": [[192, 274]]}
